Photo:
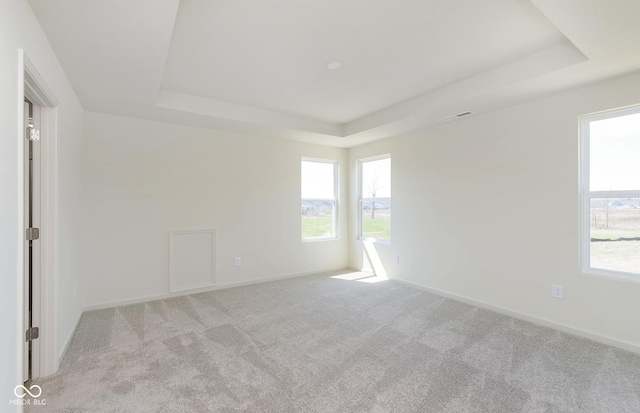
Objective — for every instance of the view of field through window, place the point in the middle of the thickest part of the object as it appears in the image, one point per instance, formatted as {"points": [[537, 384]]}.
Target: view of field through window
{"points": [[614, 166], [318, 199], [375, 201], [615, 234]]}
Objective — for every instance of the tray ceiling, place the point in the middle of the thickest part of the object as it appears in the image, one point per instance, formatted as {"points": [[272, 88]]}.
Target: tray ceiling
{"points": [[261, 67]]}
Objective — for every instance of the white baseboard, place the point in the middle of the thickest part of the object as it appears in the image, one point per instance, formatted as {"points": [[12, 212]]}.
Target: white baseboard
{"points": [[624, 345], [148, 298]]}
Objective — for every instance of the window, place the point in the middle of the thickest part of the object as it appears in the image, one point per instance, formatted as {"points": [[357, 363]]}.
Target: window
{"points": [[319, 199], [375, 198], [611, 193]]}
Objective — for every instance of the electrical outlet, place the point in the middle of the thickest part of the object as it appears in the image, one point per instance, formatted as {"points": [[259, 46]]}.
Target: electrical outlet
{"points": [[396, 259], [238, 260], [557, 291]]}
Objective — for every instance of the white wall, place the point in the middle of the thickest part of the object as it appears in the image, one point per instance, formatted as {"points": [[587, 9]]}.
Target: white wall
{"points": [[19, 29], [143, 179], [487, 208], [70, 277]]}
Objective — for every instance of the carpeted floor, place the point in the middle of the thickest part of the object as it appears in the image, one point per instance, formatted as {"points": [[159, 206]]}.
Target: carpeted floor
{"points": [[323, 344]]}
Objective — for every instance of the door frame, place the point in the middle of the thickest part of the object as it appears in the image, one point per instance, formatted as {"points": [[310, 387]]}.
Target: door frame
{"points": [[32, 249], [34, 88]]}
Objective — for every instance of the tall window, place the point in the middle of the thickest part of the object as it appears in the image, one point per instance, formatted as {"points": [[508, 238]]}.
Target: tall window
{"points": [[375, 198], [319, 199], [611, 193]]}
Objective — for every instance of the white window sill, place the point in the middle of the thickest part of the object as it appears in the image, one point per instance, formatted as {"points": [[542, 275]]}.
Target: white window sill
{"points": [[376, 240], [610, 274], [319, 239]]}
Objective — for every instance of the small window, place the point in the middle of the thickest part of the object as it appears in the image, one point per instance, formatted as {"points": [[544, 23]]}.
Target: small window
{"points": [[375, 198], [611, 193], [319, 199]]}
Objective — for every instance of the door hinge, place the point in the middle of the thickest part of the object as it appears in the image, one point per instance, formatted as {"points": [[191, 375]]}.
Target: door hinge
{"points": [[34, 133], [33, 333], [33, 234]]}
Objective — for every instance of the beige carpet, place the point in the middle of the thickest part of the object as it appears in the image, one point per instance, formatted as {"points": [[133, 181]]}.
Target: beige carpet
{"points": [[323, 344]]}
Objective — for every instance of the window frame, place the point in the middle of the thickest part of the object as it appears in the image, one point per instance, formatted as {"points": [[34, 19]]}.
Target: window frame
{"points": [[586, 195], [335, 200], [362, 199]]}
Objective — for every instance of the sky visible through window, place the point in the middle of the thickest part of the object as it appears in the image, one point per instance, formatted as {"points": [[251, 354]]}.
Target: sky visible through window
{"points": [[317, 180], [376, 177], [615, 154]]}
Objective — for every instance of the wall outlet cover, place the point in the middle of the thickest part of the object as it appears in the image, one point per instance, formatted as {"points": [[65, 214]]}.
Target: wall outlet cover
{"points": [[557, 291]]}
